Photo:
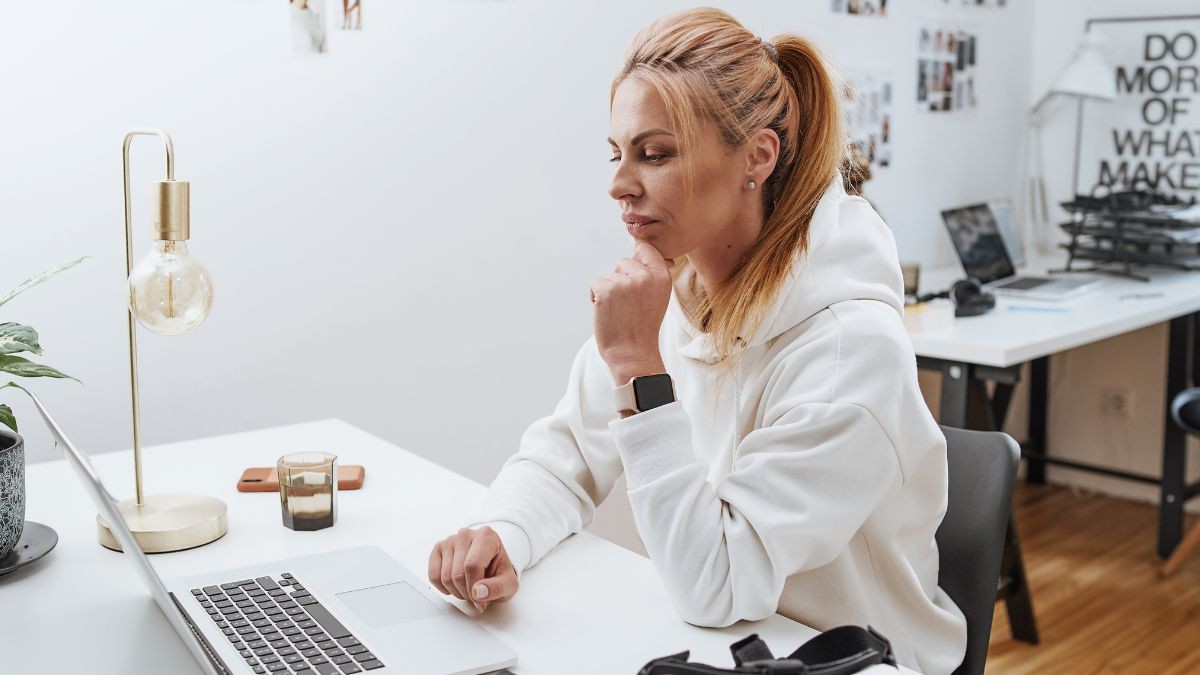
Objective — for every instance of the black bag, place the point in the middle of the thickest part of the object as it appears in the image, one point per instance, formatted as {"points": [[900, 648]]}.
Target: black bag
{"points": [[840, 651]]}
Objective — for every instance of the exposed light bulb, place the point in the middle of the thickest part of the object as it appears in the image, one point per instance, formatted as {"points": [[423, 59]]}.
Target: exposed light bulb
{"points": [[170, 292]]}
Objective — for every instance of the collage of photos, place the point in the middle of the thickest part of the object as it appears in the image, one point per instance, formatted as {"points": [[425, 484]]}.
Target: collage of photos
{"points": [[861, 7], [867, 109], [946, 69]]}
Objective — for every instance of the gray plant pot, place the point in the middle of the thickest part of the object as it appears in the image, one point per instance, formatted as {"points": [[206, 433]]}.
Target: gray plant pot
{"points": [[12, 489]]}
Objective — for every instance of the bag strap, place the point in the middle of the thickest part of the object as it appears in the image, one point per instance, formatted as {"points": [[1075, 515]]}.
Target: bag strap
{"points": [[845, 649], [750, 649], [840, 651], [677, 664]]}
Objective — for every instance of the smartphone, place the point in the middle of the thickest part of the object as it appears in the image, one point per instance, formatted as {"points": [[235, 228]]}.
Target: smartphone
{"points": [[264, 479]]}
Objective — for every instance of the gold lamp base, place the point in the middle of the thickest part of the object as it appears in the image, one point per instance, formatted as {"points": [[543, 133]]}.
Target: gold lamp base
{"points": [[165, 523]]}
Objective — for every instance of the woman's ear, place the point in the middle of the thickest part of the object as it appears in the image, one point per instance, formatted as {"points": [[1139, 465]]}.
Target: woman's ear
{"points": [[762, 152]]}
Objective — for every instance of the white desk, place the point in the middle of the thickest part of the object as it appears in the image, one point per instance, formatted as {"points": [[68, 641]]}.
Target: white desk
{"points": [[589, 603], [1003, 338], [994, 346]]}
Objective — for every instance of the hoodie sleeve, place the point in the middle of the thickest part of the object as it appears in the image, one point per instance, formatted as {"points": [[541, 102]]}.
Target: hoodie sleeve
{"points": [[565, 467], [799, 491]]}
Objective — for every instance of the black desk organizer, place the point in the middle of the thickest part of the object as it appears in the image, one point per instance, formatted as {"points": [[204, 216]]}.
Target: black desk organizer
{"points": [[1121, 232]]}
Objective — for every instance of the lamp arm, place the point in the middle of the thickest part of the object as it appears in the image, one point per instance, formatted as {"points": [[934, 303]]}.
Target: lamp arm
{"points": [[1035, 113], [133, 373]]}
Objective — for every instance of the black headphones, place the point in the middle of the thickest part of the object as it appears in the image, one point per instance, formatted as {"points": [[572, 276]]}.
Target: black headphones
{"points": [[969, 298]]}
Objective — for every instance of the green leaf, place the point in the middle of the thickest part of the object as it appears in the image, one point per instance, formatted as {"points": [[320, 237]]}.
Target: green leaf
{"points": [[37, 279], [25, 368], [6, 415], [17, 338]]}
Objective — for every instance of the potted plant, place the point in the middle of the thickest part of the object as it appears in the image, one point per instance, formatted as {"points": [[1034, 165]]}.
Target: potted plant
{"points": [[16, 338]]}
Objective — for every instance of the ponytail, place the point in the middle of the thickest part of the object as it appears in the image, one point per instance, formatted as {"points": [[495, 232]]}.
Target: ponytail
{"points": [[813, 124]]}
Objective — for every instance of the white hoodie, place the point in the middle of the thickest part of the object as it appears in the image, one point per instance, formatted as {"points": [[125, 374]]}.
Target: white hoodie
{"points": [[811, 484]]}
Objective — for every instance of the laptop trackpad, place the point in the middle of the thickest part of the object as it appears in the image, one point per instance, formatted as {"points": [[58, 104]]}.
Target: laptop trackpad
{"points": [[388, 605]]}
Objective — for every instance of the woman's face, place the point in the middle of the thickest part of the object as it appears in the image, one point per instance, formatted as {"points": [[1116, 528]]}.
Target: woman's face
{"points": [[649, 180]]}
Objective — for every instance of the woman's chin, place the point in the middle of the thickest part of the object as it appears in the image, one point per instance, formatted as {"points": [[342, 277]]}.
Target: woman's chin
{"points": [[665, 247], [669, 251]]}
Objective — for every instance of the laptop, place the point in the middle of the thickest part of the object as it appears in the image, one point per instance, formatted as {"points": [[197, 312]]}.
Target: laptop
{"points": [[980, 248], [348, 611]]}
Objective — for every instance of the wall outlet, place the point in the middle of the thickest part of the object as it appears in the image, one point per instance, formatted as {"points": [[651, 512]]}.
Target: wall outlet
{"points": [[1117, 402]]}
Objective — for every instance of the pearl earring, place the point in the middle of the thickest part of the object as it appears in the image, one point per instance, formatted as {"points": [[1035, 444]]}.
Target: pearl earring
{"points": [[751, 184]]}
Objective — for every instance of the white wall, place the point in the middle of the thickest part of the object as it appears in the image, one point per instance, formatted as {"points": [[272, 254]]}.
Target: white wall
{"points": [[1136, 361], [401, 232]]}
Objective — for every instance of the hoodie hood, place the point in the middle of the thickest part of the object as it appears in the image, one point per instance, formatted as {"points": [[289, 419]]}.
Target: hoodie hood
{"points": [[851, 255]]}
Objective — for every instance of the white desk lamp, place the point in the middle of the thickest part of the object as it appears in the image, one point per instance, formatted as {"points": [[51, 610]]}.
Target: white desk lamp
{"points": [[1088, 75]]}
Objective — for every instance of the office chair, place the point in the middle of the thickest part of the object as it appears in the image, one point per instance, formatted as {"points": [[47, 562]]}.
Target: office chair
{"points": [[1185, 409], [982, 468]]}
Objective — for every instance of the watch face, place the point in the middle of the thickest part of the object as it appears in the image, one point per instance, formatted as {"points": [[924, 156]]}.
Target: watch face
{"points": [[652, 391]]}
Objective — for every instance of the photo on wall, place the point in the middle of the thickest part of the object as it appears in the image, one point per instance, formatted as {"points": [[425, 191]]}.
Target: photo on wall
{"points": [[860, 7], [351, 14], [308, 26], [867, 110], [946, 56], [976, 3]]}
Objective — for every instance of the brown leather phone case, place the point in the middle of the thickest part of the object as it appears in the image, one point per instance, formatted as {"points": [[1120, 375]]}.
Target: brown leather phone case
{"points": [[264, 479]]}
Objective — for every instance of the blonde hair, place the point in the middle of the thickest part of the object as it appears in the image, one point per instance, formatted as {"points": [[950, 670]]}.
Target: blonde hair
{"points": [[708, 67]]}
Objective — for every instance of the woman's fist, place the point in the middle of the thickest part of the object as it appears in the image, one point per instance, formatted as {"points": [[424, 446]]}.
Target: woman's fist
{"points": [[473, 565], [629, 305]]}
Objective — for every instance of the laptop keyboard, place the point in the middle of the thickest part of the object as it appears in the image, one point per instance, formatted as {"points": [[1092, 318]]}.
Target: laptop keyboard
{"points": [[278, 627], [1023, 283]]}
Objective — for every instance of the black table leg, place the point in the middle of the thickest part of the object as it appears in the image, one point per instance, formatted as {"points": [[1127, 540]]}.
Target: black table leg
{"points": [[1014, 589], [1194, 346], [1001, 398], [1174, 462], [1039, 377]]}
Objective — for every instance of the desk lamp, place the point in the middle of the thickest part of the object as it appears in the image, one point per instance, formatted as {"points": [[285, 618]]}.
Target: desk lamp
{"points": [[170, 293], [1087, 76]]}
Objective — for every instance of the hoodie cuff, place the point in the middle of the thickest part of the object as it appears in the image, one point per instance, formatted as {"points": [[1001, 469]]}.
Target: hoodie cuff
{"points": [[653, 443], [514, 540]]}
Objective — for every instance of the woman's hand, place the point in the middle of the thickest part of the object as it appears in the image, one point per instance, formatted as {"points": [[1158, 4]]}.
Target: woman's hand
{"points": [[473, 565], [629, 307]]}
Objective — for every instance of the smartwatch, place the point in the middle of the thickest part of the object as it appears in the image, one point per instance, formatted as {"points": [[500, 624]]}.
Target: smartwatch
{"points": [[645, 392]]}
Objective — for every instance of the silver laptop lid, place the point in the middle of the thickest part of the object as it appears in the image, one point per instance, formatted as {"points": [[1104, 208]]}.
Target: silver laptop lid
{"points": [[107, 506], [977, 240]]}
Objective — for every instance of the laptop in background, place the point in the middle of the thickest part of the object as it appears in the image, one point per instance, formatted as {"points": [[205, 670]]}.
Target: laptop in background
{"points": [[343, 612], [981, 250], [1002, 211]]}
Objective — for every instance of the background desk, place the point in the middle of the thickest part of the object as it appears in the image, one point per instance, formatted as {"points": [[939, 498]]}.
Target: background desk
{"points": [[995, 346], [588, 607]]}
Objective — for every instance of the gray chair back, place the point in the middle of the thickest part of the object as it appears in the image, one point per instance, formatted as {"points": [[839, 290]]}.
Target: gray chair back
{"points": [[982, 468]]}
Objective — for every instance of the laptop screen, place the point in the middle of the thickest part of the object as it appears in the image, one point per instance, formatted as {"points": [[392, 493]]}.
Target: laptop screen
{"points": [[104, 502], [977, 241]]}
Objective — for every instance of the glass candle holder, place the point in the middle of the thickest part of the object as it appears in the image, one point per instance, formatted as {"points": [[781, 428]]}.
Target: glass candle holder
{"points": [[911, 273], [308, 490]]}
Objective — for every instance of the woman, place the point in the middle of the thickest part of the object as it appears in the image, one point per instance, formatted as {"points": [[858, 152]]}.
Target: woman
{"points": [[799, 471]]}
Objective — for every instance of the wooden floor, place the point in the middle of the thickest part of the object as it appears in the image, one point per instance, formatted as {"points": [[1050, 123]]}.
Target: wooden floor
{"points": [[1101, 606]]}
